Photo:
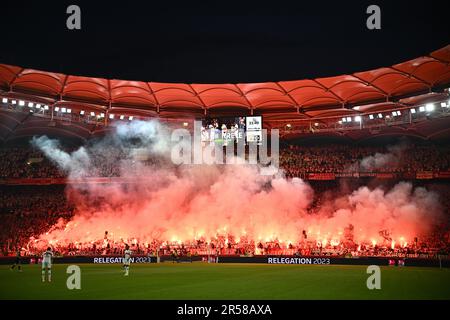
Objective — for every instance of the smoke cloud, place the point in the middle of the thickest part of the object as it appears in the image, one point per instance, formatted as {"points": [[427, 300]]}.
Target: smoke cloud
{"points": [[158, 200], [379, 160]]}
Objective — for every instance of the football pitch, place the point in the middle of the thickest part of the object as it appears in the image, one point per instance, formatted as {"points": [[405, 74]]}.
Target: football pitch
{"points": [[226, 281]]}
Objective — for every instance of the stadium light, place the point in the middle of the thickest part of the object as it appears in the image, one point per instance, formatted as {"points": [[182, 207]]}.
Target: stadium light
{"points": [[185, 124], [82, 112], [399, 113], [380, 115], [288, 125], [349, 119], [21, 103], [429, 107], [69, 110], [46, 107], [38, 105], [413, 110], [111, 116], [14, 102], [63, 110], [102, 115], [92, 114], [130, 118], [371, 116], [30, 104], [443, 105], [344, 119], [56, 108], [122, 117], [340, 121], [358, 118], [316, 124], [5, 100], [422, 109]]}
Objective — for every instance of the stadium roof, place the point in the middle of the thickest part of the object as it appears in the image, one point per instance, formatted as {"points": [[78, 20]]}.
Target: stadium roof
{"points": [[298, 99], [317, 103]]}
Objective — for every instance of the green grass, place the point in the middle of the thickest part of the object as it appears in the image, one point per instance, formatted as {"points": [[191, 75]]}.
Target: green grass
{"points": [[226, 281]]}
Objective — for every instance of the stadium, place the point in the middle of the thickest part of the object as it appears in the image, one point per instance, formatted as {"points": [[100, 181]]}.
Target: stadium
{"points": [[362, 180], [231, 157]]}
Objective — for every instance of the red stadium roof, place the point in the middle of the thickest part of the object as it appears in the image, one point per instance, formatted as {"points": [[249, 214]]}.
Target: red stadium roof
{"points": [[298, 105], [299, 99]]}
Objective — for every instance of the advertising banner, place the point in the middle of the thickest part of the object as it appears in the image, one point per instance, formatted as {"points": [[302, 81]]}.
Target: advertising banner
{"points": [[321, 176], [424, 175]]}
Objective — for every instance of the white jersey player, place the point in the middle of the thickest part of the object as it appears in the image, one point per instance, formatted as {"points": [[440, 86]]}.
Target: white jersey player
{"points": [[47, 264], [127, 259]]}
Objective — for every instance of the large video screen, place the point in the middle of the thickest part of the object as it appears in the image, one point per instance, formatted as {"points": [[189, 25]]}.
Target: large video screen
{"points": [[225, 131]]}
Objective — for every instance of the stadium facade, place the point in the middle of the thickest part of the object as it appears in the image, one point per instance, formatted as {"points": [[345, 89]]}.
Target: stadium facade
{"points": [[408, 98]]}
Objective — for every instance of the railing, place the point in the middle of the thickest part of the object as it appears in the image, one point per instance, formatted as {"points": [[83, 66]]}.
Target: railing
{"points": [[419, 175]]}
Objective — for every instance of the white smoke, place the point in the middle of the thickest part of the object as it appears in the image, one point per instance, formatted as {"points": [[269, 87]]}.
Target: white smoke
{"points": [[380, 160]]}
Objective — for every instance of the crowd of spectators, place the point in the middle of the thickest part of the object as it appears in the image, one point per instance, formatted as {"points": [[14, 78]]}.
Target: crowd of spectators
{"points": [[297, 161], [26, 163], [430, 247], [30, 163], [29, 211]]}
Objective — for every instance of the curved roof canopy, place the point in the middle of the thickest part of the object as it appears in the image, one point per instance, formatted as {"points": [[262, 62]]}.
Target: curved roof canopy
{"points": [[299, 99]]}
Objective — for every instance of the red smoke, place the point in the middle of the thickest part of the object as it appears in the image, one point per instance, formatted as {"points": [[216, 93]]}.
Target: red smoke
{"points": [[190, 202]]}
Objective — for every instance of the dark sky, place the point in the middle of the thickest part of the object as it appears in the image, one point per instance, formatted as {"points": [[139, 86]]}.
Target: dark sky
{"points": [[218, 41]]}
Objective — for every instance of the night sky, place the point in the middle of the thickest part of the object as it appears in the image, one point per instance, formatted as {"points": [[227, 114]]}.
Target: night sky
{"points": [[218, 41]]}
